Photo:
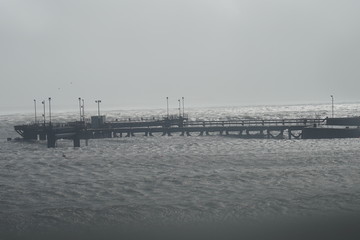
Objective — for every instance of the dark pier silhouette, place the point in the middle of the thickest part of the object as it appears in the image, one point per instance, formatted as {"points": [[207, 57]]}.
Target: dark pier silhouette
{"points": [[166, 126], [98, 127]]}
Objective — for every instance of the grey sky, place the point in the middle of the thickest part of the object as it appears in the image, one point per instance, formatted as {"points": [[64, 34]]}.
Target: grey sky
{"points": [[134, 53]]}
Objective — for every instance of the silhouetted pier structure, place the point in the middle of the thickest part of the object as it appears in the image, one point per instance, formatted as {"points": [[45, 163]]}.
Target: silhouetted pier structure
{"points": [[98, 127], [166, 126]]}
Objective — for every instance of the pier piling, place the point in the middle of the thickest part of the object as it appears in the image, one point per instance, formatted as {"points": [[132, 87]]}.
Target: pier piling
{"points": [[76, 141], [252, 128]]}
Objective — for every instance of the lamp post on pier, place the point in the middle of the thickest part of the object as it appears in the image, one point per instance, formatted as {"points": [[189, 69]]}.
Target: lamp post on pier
{"points": [[80, 107], [179, 107], [43, 103], [50, 111], [98, 103], [35, 110], [167, 107], [83, 109], [332, 106], [183, 105]]}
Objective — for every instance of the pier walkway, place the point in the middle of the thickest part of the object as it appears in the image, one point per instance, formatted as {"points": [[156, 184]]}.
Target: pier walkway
{"points": [[99, 128]]}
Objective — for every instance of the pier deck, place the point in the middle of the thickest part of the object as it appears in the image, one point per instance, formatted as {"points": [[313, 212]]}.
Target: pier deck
{"points": [[97, 128]]}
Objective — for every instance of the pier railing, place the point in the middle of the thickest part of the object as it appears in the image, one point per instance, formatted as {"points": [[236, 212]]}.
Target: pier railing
{"points": [[148, 119], [77, 130], [255, 122], [55, 124], [158, 122]]}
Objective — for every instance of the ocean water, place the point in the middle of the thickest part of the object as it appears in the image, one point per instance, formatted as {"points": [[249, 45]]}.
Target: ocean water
{"points": [[176, 179]]}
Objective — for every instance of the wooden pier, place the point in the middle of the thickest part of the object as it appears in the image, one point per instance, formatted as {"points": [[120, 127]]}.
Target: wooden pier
{"points": [[167, 126]]}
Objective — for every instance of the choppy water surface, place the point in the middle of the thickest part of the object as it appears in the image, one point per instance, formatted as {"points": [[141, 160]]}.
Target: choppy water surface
{"points": [[179, 179]]}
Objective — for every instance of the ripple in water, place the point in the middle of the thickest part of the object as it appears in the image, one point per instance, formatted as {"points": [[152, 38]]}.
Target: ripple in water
{"points": [[176, 179]]}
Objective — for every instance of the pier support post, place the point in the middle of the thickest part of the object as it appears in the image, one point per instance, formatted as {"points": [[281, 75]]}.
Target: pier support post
{"points": [[182, 133], [261, 133], [188, 134], [51, 140], [289, 133], [42, 136], [150, 134], [280, 135], [76, 141]]}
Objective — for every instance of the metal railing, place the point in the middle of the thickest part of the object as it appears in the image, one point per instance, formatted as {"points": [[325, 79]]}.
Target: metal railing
{"points": [[148, 119], [186, 123], [255, 122]]}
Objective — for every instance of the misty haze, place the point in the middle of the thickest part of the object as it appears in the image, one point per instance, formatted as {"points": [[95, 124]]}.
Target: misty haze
{"points": [[172, 117]]}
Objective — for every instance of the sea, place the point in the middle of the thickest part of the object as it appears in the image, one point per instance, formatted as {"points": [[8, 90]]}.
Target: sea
{"points": [[160, 181]]}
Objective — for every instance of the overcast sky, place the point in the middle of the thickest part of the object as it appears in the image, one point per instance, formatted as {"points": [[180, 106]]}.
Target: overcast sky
{"points": [[134, 53]]}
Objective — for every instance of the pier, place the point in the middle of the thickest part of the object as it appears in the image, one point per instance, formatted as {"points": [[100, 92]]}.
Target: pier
{"points": [[98, 127], [169, 125]]}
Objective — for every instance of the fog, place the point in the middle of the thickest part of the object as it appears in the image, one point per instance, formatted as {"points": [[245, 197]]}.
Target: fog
{"points": [[134, 54]]}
